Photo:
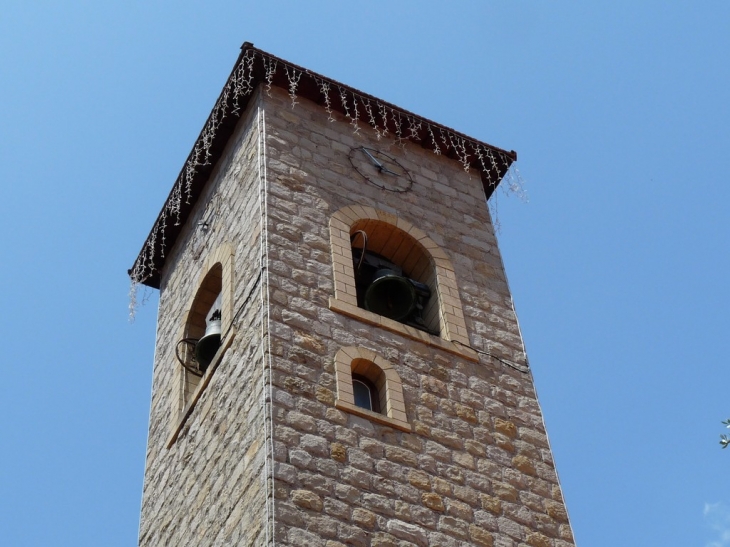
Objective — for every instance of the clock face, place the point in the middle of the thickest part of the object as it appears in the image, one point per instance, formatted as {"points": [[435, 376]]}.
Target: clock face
{"points": [[380, 169]]}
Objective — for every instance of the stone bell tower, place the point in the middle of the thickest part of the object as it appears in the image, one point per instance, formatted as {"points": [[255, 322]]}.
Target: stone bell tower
{"points": [[338, 361]]}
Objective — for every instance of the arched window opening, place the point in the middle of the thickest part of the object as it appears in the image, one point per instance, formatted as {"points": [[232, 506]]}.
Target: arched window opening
{"points": [[401, 245], [394, 275], [202, 333], [206, 332], [370, 377], [208, 292], [368, 386], [365, 393]]}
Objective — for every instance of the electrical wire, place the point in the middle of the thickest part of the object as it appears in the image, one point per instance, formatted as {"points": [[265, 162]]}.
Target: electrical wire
{"points": [[364, 246], [244, 303], [525, 369], [267, 395], [263, 258]]}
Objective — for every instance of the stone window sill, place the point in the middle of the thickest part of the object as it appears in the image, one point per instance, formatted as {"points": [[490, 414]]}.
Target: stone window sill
{"points": [[373, 416], [204, 381], [409, 332]]}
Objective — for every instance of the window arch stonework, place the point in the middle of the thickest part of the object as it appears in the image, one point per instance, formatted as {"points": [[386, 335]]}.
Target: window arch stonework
{"points": [[379, 372], [216, 278], [425, 260]]}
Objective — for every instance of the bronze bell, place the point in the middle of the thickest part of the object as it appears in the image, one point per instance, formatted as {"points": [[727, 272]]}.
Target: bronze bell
{"points": [[208, 345], [390, 295]]}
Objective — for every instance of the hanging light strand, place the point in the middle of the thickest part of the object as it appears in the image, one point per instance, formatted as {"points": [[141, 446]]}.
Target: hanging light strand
{"points": [[384, 119]]}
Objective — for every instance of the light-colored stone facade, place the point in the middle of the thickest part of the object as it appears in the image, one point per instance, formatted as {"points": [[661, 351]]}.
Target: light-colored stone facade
{"points": [[269, 449], [206, 454]]}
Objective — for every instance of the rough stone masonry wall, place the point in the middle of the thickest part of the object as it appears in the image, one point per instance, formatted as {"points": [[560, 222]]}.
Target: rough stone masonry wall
{"points": [[477, 468], [208, 487]]}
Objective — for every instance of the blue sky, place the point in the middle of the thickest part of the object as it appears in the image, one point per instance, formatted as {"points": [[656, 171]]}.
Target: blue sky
{"points": [[618, 261]]}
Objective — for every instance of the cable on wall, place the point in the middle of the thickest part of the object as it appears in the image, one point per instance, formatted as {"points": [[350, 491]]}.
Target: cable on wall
{"points": [[269, 525]]}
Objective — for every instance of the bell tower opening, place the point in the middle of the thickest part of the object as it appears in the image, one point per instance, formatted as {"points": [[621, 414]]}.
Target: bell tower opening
{"points": [[394, 275], [202, 333]]}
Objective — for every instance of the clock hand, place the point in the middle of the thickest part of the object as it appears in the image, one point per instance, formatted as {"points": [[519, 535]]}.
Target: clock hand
{"points": [[379, 165], [388, 171]]}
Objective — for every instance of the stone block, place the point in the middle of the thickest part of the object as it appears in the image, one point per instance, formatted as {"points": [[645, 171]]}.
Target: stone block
{"points": [[433, 501], [307, 500]]}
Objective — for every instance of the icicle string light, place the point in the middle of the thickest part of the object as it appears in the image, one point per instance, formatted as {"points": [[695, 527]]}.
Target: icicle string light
{"points": [[324, 89], [293, 83], [343, 100], [355, 117], [270, 67], [383, 116], [371, 117], [414, 127], [398, 126], [436, 149], [255, 66]]}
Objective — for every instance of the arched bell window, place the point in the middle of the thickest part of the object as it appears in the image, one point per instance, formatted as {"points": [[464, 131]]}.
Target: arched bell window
{"points": [[391, 274], [198, 346], [206, 327], [394, 275]]}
